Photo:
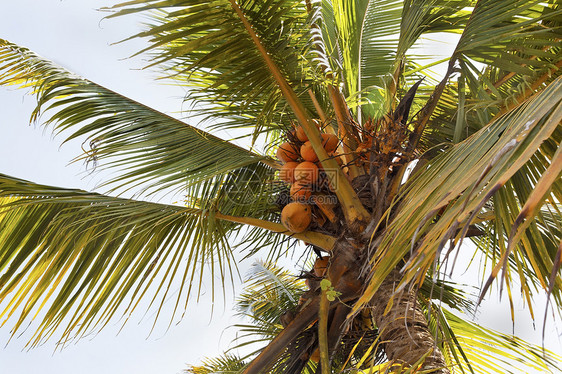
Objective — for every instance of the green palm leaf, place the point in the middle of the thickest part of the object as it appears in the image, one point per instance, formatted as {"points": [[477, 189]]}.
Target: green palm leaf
{"points": [[484, 350], [79, 255], [524, 32], [150, 150], [227, 364], [504, 33], [478, 94], [462, 180], [203, 45], [361, 38], [364, 35], [269, 291], [83, 256], [368, 42]]}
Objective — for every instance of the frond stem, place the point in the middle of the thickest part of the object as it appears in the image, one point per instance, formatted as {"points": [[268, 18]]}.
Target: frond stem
{"points": [[326, 242], [393, 87], [319, 109]]}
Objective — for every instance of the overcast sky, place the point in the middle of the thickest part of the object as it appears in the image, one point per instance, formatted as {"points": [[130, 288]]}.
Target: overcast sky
{"points": [[71, 33]]}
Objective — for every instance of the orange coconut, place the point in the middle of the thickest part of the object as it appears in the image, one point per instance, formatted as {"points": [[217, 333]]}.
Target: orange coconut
{"points": [[330, 142], [321, 266], [287, 152], [301, 135], [296, 217], [306, 173], [308, 153], [287, 172], [300, 192]]}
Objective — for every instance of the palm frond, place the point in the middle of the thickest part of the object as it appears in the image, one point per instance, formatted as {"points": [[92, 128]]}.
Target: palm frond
{"points": [[477, 96], [367, 32], [75, 258], [88, 257], [421, 17], [226, 364], [447, 293], [269, 292], [368, 42], [149, 150], [203, 45], [477, 349], [506, 34], [430, 19], [499, 34], [442, 202], [270, 295], [364, 36]]}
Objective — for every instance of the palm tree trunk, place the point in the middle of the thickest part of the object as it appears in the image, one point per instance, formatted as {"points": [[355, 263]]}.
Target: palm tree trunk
{"points": [[403, 329]]}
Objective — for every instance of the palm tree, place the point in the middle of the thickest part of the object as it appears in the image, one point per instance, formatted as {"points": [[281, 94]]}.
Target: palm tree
{"points": [[419, 164]]}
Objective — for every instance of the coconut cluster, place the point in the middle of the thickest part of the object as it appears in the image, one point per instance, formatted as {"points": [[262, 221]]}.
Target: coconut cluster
{"points": [[303, 171]]}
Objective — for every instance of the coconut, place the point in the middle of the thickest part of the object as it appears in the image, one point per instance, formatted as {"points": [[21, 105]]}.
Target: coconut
{"points": [[287, 172], [300, 192], [287, 152], [301, 135], [307, 153], [296, 217], [321, 266], [306, 173], [330, 142]]}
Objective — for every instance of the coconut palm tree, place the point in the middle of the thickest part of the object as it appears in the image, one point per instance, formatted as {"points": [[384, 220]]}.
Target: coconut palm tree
{"points": [[399, 168]]}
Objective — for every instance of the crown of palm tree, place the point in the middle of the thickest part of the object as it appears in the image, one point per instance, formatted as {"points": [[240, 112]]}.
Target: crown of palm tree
{"points": [[475, 154]]}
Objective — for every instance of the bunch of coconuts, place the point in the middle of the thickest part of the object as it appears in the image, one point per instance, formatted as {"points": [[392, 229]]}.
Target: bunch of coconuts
{"points": [[302, 170]]}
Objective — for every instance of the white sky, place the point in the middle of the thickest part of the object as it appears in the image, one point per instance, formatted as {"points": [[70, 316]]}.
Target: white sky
{"points": [[70, 33]]}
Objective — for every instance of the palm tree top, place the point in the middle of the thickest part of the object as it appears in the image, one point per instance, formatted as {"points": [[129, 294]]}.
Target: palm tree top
{"points": [[419, 164]]}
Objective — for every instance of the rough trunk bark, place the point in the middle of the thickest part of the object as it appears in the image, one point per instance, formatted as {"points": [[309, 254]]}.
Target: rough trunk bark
{"points": [[403, 329]]}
